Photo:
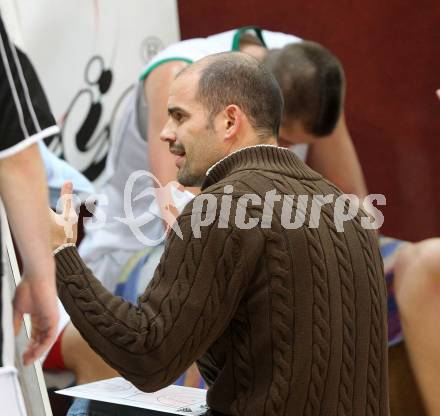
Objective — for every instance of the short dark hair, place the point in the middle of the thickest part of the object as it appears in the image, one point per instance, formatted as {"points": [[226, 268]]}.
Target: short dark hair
{"points": [[235, 78], [312, 82]]}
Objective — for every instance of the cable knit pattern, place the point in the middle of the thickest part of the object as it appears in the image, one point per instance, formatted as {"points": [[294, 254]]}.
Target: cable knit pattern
{"points": [[348, 308], [278, 267], [281, 321], [321, 330], [221, 291], [376, 335], [242, 359], [348, 318]]}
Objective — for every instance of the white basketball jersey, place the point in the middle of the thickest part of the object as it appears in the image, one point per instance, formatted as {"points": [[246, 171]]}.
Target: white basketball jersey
{"points": [[192, 50]]}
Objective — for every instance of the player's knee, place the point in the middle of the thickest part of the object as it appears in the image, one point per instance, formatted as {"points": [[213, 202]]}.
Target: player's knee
{"points": [[417, 275], [402, 267]]}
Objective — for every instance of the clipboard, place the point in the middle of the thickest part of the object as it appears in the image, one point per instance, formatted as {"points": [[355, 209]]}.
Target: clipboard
{"points": [[172, 400]]}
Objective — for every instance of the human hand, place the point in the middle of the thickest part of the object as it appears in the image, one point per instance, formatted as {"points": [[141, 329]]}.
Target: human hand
{"points": [[64, 226], [37, 297]]}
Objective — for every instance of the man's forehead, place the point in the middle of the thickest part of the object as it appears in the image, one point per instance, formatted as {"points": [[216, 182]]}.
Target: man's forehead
{"points": [[184, 86]]}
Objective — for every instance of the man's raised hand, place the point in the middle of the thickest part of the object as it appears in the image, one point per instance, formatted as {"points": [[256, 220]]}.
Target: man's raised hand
{"points": [[64, 227]]}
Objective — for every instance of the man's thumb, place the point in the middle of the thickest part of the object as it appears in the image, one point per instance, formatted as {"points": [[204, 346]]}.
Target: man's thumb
{"points": [[67, 188], [66, 198]]}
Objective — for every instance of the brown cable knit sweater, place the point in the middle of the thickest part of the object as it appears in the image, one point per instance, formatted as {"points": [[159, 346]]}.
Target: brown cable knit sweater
{"points": [[281, 321]]}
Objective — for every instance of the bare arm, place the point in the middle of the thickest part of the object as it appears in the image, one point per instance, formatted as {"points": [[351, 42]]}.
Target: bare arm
{"points": [[417, 290], [24, 192], [335, 158]]}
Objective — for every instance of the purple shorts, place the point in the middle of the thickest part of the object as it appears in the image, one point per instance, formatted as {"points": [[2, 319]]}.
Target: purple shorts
{"points": [[388, 249]]}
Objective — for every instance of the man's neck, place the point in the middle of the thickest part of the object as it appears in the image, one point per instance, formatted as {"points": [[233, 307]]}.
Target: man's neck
{"points": [[257, 51], [238, 149], [243, 145], [250, 141]]}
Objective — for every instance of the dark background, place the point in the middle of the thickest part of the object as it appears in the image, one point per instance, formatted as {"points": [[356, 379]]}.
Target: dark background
{"points": [[391, 56]]}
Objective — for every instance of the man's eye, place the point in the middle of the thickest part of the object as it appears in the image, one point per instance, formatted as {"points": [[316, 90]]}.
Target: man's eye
{"points": [[178, 117]]}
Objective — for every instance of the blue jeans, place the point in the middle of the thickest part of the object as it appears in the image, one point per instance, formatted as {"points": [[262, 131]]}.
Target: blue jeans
{"points": [[84, 407]]}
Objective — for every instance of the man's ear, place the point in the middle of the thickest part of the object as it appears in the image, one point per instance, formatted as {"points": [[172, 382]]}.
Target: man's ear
{"points": [[233, 118]]}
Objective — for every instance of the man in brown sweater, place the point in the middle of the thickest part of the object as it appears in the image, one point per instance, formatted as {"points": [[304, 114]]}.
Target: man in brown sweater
{"points": [[267, 280]]}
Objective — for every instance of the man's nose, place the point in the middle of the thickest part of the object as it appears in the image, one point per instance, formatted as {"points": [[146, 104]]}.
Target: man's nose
{"points": [[167, 134]]}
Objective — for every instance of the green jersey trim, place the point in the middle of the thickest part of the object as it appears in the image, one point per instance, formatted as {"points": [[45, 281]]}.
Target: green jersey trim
{"points": [[235, 47], [163, 61], [240, 32]]}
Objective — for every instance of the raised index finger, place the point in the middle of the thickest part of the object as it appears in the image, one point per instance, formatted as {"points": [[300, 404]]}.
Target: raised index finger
{"points": [[66, 197]]}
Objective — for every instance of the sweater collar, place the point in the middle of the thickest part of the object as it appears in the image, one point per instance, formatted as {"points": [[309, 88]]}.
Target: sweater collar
{"points": [[260, 157]]}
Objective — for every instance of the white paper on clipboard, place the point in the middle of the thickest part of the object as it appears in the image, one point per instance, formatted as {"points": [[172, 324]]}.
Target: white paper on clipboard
{"points": [[178, 400]]}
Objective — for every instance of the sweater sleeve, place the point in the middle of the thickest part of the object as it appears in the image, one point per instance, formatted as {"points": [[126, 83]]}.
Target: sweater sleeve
{"points": [[188, 304]]}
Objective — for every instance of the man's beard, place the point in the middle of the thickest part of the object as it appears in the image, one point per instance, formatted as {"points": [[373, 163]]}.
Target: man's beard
{"points": [[186, 178], [184, 175]]}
